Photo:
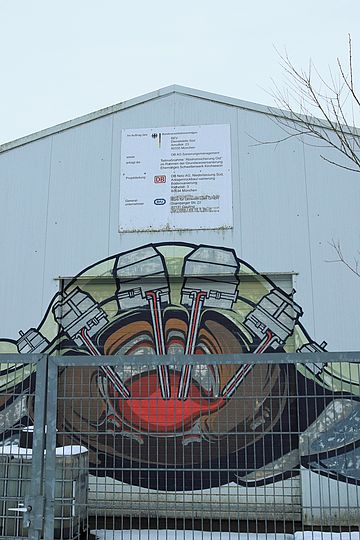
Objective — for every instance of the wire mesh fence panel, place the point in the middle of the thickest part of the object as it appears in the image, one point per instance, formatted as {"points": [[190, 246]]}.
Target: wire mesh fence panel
{"points": [[267, 447], [22, 417], [277, 453]]}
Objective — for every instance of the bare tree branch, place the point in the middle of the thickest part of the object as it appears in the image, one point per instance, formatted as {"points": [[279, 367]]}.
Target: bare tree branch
{"points": [[323, 105], [321, 111], [354, 267]]}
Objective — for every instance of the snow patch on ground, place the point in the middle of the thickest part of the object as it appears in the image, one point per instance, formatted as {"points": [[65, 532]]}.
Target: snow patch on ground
{"points": [[206, 535], [18, 451], [317, 535], [185, 535]]}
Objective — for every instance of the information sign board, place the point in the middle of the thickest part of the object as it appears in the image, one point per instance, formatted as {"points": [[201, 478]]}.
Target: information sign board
{"points": [[175, 178]]}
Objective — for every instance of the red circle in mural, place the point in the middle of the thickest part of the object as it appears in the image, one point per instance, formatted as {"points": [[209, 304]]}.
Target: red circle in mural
{"points": [[147, 411]]}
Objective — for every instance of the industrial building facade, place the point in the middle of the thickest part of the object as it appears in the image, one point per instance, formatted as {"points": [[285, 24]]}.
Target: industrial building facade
{"points": [[162, 227]]}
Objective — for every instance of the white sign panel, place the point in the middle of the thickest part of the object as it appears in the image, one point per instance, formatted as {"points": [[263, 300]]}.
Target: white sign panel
{"points": [[175, 178]]}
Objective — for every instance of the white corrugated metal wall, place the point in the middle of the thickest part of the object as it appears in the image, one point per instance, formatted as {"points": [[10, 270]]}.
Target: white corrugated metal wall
{"points": [[60, 200]]}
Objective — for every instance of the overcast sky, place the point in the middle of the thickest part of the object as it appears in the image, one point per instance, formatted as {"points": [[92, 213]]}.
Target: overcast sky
{"points": [[63, 59]]}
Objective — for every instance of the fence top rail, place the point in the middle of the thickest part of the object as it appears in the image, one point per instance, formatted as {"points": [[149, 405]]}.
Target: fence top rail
{"points": [[180, 359], [195, 359], [17, 358]]}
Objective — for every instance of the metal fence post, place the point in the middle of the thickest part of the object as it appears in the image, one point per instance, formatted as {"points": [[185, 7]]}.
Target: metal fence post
{"points": [[50, 461], [34, 502]]}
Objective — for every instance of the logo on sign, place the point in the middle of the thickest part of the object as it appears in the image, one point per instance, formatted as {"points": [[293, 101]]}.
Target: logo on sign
{"points": [[159, 202], [160, 179], [158, 137]]}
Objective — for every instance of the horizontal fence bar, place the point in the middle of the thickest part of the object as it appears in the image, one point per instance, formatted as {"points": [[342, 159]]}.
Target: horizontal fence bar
{"points": [[17, 358], [191, 359], [195, 359]]}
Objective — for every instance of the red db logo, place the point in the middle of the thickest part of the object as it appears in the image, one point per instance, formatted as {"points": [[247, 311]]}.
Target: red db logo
{"points": [[159, 179]]}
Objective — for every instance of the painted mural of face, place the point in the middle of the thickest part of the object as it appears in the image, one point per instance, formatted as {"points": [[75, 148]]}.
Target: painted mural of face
{"points": [[182, 299]]}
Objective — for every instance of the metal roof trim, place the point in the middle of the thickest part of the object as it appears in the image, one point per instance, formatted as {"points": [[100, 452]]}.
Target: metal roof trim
{"points": [[162, 92]]}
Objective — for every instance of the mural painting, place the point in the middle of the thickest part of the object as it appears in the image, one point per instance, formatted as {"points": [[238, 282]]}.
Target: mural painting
{"points": [[177, 426]]}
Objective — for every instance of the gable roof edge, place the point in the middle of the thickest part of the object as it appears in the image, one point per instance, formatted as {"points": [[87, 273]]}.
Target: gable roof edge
{"points": [[162, 92]]}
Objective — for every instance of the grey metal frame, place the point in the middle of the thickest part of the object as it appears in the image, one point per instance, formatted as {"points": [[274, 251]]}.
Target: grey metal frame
{"points": [[50, 449], [193, 359], [34, 501], [55, 362]]}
